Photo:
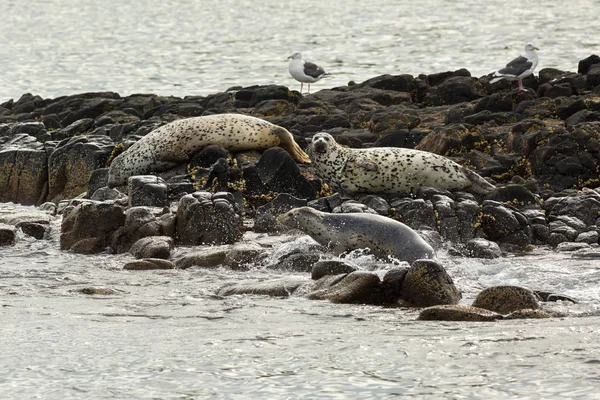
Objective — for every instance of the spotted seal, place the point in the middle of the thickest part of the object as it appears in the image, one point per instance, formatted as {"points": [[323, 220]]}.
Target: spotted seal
{"points": [[390, 170], [383, 236], [177, 141]]}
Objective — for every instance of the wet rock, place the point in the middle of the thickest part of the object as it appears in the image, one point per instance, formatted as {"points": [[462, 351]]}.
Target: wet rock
{"points": [[275, 288], [98, 179], [357, 287], [71, 164], [528, 314], [266, 216], [553, 297], [468, 214], [505, 299], [416, 213], [235, 257], [205, 218], [428, 284], [330, 267], [152, 247], [105, 193], [149, 264], [147, 190], [567, 247], [33, 229], [517, 195], [445, 212], [590, 237], [280, 173], [8, 235], [582, 205], [142, 222], [505, 224], [457, 312], [88, 227], [298, 262], [401, 138], [376, 203], [23, 170], [93, 291], [483, 248]]}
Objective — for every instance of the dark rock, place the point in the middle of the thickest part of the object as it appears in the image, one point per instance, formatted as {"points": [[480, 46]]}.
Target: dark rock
{"points": [[147, 190], [98, 179], [278, 171], [105, 193], [330, 267], [33, 229], [505, 299], [205, 218], [352, 206], [266, 216], [457, 89], [275, 288], [376, 203], [298, 262], [516, 195], [8, 235], [92, 291], [149, 264], [582, 116], [567, 247], [593, 76], [152, 247], [416, 213], [76, 128], [141, 222], [482, 248], [357, 287], [88, 227], [71, 164], [505, 224], [208, 156], [468, 214], [400, 138], [457, 312], [584, 65], [23, 171], [428, 284]]}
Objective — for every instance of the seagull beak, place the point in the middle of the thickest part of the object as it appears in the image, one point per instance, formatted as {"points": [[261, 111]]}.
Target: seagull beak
{"points": [[289, 57], [535, 48]]}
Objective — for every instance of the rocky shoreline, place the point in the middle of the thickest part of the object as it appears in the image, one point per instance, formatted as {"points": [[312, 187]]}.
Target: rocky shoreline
{"points": [[540, 148]]}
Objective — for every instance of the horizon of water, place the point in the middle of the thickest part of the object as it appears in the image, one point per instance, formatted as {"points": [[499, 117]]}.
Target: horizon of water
{"points": [[62, 47]]}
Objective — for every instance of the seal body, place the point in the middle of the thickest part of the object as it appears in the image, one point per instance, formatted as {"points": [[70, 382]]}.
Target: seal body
{"points": [[383, 236], [177, 141], [390, 170]]}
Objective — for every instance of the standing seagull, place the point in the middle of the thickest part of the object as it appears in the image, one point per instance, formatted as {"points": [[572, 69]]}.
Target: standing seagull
{"points": [[304, 71], [519, 68]]}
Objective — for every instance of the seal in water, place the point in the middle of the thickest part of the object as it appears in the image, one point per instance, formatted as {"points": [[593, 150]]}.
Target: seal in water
{"points": [[390, 170], [383, 236], [177, 141]]}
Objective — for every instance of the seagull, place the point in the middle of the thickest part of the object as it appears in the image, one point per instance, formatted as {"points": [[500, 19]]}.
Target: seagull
{"points": [[519, 68], [304, 71]]}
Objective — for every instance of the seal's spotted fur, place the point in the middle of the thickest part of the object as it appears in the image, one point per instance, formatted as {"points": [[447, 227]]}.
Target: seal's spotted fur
{"points": [[177, 141], [388, 169], [383, 236]]}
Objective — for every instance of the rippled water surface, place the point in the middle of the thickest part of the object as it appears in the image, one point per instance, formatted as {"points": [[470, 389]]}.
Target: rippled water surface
{"points": [[165, 335], [61, 47]]}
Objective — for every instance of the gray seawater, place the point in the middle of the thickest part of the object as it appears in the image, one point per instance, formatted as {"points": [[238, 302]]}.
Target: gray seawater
{"points": [[61, 47], [165, 335]]}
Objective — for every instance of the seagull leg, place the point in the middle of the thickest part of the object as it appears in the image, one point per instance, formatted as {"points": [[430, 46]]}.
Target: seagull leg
{"points": [[521, 85], [301, 86], [308, 88]]}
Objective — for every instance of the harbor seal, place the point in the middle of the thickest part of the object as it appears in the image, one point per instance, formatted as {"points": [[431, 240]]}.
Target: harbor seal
{"points": [[177, 141], [383, 236], [392, 170]]}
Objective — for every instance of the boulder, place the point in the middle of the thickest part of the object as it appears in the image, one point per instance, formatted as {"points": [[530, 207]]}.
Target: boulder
{"points": [[147, 190], [88, 227], [142, 222], [149, 264], [8, 235], [428, 284], [205, 218], [152, 247], [457, 312], [505, 299]]}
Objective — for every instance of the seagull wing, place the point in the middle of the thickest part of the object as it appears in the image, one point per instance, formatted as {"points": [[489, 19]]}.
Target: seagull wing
{"points": [[516, 67], [313, 70]]}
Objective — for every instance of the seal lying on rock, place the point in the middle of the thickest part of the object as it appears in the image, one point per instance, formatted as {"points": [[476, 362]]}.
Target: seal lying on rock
{"points": [[177, 141], [384, 236], [390, 170]]}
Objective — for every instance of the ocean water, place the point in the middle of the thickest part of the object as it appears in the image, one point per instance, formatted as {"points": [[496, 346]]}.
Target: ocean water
{"points": [[164, 334], [172, 47]]}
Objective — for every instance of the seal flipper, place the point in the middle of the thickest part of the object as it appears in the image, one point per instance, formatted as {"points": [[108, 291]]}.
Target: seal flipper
{"points": [[290, 145], [478, 184]]}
